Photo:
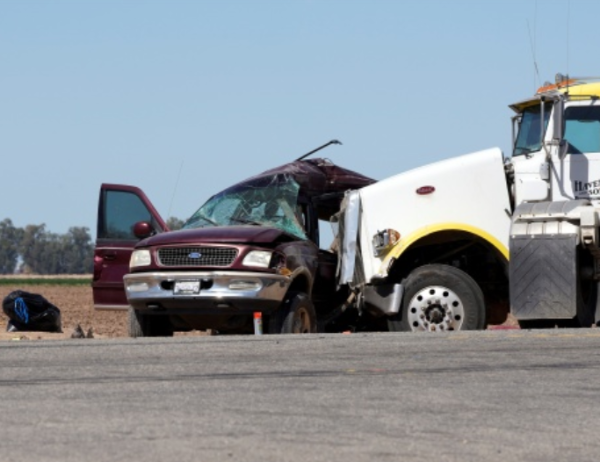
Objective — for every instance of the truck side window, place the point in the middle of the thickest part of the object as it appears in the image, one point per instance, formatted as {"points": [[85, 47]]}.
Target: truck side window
{"points": [[529, 138], [121, 210], [582, 129]]}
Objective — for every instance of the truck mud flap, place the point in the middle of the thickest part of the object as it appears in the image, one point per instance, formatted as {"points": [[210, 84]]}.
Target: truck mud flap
{"points": [[543, 276]]}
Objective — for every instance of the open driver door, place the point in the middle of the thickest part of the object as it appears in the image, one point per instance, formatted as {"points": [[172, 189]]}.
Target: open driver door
{"points": [[119, 208]]}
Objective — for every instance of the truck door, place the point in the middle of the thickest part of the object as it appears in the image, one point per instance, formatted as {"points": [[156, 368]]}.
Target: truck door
{"points": [[119, 208], [578, 175], [529, 155]]}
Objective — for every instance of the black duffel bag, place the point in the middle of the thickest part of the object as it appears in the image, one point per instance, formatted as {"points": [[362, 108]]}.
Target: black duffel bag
{"points": [[30, 312]]}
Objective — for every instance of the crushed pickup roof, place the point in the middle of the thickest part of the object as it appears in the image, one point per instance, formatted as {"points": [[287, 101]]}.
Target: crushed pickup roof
{"points": [[272, 198], [319, 179]]}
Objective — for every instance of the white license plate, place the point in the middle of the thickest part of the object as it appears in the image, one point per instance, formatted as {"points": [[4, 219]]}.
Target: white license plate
{"points": [[186, 287]]}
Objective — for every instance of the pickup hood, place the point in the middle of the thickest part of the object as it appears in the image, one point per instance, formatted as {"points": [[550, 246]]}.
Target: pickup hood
{"points": [[219, 235]]}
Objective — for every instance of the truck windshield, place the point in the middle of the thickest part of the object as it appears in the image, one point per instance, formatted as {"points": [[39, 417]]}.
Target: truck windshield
{"points": [[267, 201], [529, 138]]}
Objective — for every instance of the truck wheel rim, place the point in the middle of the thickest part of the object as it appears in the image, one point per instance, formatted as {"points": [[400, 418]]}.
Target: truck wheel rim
{"points": [[301, 322], [435, 309]]}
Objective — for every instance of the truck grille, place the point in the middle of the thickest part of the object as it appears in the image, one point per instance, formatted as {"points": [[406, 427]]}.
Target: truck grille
{"points": [[196, 256]]}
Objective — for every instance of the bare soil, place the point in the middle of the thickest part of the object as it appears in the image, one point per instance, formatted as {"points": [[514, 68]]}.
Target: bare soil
{"points": [[77, 309]]}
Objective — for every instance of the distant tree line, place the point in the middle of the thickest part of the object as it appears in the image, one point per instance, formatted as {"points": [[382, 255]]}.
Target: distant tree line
{"points": [[34, 250]]}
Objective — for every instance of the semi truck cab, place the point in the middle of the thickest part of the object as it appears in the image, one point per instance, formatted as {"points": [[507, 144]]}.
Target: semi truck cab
{"points": [[554, 250], [465, 242], [556, 154]]}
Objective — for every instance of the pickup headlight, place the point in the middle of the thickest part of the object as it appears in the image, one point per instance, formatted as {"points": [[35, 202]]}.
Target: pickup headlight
{"points": [[260, 258], [140, 258]]}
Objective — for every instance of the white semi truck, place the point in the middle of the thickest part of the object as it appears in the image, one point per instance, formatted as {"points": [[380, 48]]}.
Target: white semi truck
{"points": [[461, 243]]}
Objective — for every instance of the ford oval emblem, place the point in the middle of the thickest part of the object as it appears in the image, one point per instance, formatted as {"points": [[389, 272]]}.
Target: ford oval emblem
{"points": [[194, 255], [425, 190]]}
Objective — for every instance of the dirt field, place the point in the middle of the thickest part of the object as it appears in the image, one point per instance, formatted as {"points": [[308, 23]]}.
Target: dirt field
{"points": [[76, 308]]}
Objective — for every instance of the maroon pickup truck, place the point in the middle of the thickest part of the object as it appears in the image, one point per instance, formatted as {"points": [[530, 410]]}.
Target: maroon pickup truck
{"points": [[253, 247]]}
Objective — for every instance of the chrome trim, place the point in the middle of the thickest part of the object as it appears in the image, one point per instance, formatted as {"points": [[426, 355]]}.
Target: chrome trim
{"points": [[270, 288], [111, 307]]}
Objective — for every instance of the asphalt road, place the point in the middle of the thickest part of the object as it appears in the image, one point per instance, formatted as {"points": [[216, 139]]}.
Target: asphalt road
{"points": [[484, 396]]}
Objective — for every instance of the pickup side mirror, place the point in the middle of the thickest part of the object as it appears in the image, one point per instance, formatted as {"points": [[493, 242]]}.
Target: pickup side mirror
{"points": [[143, 229]]}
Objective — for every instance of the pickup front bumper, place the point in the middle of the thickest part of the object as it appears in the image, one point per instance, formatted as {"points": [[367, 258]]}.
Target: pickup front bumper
{"points": [[205, 292]]}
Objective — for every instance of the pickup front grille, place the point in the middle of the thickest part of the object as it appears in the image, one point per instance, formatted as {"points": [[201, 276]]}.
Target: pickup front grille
{"points": [[196, 256]]}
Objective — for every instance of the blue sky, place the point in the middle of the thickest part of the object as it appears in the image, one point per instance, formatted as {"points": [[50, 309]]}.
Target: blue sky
{"points": [[184, 98]]}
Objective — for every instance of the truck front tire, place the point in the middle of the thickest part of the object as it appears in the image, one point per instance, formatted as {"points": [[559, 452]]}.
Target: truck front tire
{"points": [[439, 298]]}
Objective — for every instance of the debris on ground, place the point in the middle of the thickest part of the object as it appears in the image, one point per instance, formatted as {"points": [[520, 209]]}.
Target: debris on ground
{"points": [[28, 311], [79, 333]]}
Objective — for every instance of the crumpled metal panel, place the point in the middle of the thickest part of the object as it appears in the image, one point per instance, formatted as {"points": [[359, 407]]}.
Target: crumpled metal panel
{"points": [[349, 235], [271, 198], [318, 176], [321, 180]]}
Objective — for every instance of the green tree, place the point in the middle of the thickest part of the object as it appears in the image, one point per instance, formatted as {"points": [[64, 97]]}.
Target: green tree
{"points": [[174, 223], [31, 248], [50, 253], [77, 250], [10, 237], [43, 252]]}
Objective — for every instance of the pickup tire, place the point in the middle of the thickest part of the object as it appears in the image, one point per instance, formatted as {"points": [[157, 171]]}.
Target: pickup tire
{"points": [[295, 316], [143, 325], [439, 298]]}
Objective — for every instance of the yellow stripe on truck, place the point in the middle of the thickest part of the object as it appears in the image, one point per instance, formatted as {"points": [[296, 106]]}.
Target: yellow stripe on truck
{"points": [[407, 241]]}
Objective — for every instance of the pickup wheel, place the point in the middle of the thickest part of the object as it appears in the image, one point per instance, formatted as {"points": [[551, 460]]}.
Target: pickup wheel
{"points": [[143, 325], [295, 316], [439, 298]]}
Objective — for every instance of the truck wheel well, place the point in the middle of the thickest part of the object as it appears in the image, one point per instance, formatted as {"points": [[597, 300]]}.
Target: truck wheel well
{"points": [[468, 252]]}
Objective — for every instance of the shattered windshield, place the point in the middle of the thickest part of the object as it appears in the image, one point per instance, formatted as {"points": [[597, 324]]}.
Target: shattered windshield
{"points": [[271, 201]]}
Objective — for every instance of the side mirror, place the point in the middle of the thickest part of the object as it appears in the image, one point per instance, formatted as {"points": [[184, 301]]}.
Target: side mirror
{"points": [[142, 230], [559, 124], [563, 149]]}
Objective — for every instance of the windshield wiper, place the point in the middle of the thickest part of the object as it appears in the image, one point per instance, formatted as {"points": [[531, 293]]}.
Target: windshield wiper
{"points": [[246, 221], [205, 218]]}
